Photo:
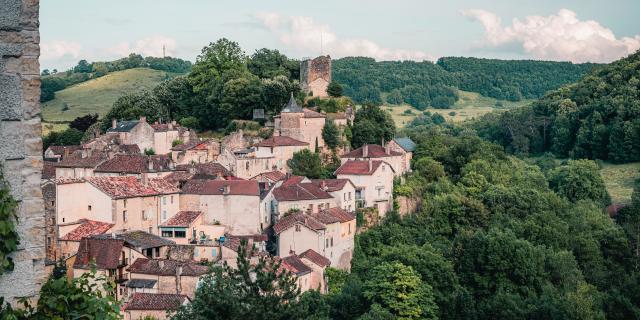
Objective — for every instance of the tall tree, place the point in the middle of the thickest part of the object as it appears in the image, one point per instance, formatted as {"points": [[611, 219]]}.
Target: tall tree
{"points": [[331, 134], [372, 125]]}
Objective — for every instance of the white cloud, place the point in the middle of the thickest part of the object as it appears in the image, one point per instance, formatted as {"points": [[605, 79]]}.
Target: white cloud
{"points": [[57, 50], [303, 34], [561, 36], [150, 46]]}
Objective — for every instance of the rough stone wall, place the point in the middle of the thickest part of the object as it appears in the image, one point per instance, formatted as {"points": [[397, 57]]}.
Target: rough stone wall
{"points": [[312, 70], [20, 142], [51, 235]]}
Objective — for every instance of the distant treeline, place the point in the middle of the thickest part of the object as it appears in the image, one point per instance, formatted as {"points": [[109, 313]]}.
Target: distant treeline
{"points": [[425, 84], [53, 81]]}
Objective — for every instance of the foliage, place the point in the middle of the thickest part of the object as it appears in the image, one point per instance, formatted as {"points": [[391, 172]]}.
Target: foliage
{"points": [[579, 180], [266, 64], [136, 105], [307, 164], [84, 122], [176, 142], [372, 125], [69, 137], [331, 134], [189, 122], [149, 151], [8, 231], [336, 279], [261, 290], [334, 89]]}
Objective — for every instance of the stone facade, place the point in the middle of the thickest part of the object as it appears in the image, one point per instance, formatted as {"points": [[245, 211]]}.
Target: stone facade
{"points": [[315, 75], [21, 143]]}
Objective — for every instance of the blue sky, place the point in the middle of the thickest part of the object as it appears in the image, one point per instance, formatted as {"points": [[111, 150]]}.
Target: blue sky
{"points": [[578, 31]]}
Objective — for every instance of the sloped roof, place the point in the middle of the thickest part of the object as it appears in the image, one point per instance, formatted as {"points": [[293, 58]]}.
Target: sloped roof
{"points": [[163, 127], [335, 214], [141, 283], [209, 168], [272, 176], [291, 180], [155, 301], [360, 167], [406, 143], [167, 267], [281, 141], [130, 187], [295, 265], [76, 160], [292, 219], [331, 185], [300, 191], [87, 228], [139, 239], [315, 257], [59, 150], [123, 126], [217, 187], [308, 113], [135, 163], [373, 151], [182, 219], [292, 106], [104, 252]]}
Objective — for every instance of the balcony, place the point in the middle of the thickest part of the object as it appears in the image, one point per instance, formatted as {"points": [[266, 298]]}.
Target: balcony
{"points": [[360, 203]]}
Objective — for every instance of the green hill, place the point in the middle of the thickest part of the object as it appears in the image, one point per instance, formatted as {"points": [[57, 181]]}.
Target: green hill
{"points": [[98, 95]]}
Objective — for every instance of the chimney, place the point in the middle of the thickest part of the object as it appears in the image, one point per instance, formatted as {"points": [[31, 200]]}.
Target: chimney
{"points": [[365, 151], [114, 123], [65, 153], [143, 119], [150, 164], [370, 164], [178, 279], [387, 148], [323, 185]]}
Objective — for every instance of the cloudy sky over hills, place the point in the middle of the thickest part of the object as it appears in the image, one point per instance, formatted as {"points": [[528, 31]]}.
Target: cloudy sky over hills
{"points": [[578, 30]]}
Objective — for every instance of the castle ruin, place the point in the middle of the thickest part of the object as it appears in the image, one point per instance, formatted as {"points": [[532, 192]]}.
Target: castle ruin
{"points": [[315, 75]]}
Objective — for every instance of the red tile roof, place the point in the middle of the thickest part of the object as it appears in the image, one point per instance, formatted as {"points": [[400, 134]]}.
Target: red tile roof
{"points": [[315, 257], [167, 267], [360, 167], [331, 185], [292, 219], [308, 113], [182, 219], [334, 214], [104, 252], [272, 176], [155, 301], [59, 150], [86, 229], [76, 160], [295, 265], [209, 168], [217, 187], [373, 151], [292, 180], [300, 191], [281, 141], [130, 187], [135, 163]]}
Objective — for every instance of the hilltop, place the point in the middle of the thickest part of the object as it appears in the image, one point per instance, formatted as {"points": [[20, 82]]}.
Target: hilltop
{"points": [[98, 95]]}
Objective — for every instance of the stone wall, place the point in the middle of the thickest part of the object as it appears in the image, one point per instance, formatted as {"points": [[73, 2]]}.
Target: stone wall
{"points": [[315, 75], [21, 143]]}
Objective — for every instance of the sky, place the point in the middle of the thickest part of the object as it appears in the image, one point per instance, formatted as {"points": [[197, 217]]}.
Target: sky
{"points": [[560, 30]]}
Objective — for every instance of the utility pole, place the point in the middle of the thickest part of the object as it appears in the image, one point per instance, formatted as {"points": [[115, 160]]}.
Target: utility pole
{"points": [[163, 51]]}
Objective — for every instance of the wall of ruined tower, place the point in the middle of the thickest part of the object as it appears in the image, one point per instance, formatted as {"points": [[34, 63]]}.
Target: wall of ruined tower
{"points": [[21, 143], [315, 75]]}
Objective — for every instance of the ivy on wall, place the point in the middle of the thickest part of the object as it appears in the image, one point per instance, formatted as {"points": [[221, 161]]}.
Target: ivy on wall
{"points": [[8, 232]]}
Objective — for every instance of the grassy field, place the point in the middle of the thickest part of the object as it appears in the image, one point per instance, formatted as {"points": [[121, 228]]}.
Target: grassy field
{"points": [[470, 105], [98, 95], [619, 179], [48, 127]]}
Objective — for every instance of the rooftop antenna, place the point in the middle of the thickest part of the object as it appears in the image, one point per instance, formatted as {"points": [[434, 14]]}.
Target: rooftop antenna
{"points": [[163, 51]]}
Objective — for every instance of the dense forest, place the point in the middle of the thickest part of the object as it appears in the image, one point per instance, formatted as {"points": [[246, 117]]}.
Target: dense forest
{"points": [[53, 81], [597, 117], [424, 84]]}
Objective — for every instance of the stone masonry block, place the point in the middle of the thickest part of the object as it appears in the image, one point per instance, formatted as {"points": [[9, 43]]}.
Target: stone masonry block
{"points": [[10, 97], [11, 170], [10, 11], [12, 140], [23, 65]]}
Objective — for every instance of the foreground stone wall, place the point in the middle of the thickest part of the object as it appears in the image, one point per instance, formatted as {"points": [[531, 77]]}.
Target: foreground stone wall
{"points": [[20, 142]]}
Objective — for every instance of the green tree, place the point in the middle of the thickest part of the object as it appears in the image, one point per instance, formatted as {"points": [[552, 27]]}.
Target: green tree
{"points": [[135, 105], [398, 289], [240, 96], [266, 63], [307, 164], [331, 134], [334, 89], [69, 137], [580, 180], [372, 125]]}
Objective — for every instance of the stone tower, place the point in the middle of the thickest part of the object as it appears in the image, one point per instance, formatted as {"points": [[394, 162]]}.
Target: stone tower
{"points": [[315, 75], [21, 143]]}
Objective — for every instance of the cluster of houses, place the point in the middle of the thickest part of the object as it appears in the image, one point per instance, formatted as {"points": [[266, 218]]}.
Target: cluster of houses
{"points": [[150, 222]]}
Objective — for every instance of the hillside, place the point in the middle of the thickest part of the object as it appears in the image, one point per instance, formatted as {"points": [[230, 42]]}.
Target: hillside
{"points": [[597, 117], [98, 95]]}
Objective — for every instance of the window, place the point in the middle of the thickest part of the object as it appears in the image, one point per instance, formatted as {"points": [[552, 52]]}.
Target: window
{"points": [[144, 215], [345, 197], [297, 228], [89, 207], [157, 252], [383, 167], [164, 200], [247, 165], [125, 203], [150, 229], [326, 243], [53, 203], [349, 228], [332, 241], [214, 253], [349, 195], [167, 233], [179, 233], [171, 199], [124, 216], [62, 219], [164, 215], [379, 191]]}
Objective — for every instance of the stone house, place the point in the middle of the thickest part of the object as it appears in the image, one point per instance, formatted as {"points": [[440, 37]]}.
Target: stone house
{"points": [[305, 197], [57, 153], [72, 233], [164, 276], [246, 163], [80, 164], [308, 267], [282, 148], [127, 202], [189, 227], [164, 135], [300, 124], [343, 192], [315, 75], [196, 151], [152, 305], [150, 245], [396, 159], [270, 177], [134, 132], [406, 146], [139, 166], [373, 180]]}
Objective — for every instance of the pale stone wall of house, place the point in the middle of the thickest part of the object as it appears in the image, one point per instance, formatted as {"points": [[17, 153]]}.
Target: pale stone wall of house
{"points": [[316, 279], [267, 207], [291, 241], [406, 156], [377, 189], [73, 172], [239, 213], [49, 196], [163, 141], [398, 163], [345, 198], [312, 131], [70, 207], [281, 155], [305, 206], [249, 167], [141, 314]]}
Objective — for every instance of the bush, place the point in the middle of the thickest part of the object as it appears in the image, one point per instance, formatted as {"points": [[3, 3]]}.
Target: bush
{"points": [[452, 113]]}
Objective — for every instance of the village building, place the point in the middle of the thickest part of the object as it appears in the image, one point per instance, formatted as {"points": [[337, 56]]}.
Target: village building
{"points": [[406, 147], [308, 267], [270, 177], [315, 75], [189, 227], [80, 164], [137, 132], [343, 192], [398, 160], [152, 305], [373, 180], [247, 163], [139, 166], [282, 148], [150, 245], [300, 124], [57, 153], [127, 202], [164, 276], [298, 194], [72, 233], [166, 134], [196, 151]]}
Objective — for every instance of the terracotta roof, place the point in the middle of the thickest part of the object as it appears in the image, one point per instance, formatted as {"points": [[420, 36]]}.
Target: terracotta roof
{"points": [[104, 252], [76, 160], [315, 257], [155, 301], [167, 267], [294, 264], [59, 150], [360, 167], [300, 191], [292, 219], [373, 151], [334, 214], [233, 241], [87, 228], [217, 187], [49, 170], [129, 148], [293, 180], [209, 168], [182, 219], [272, 176], [308, 113], [139, 239], [130, 187], [281, 141], [135, 163], [193, 144], [331, 185]]}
